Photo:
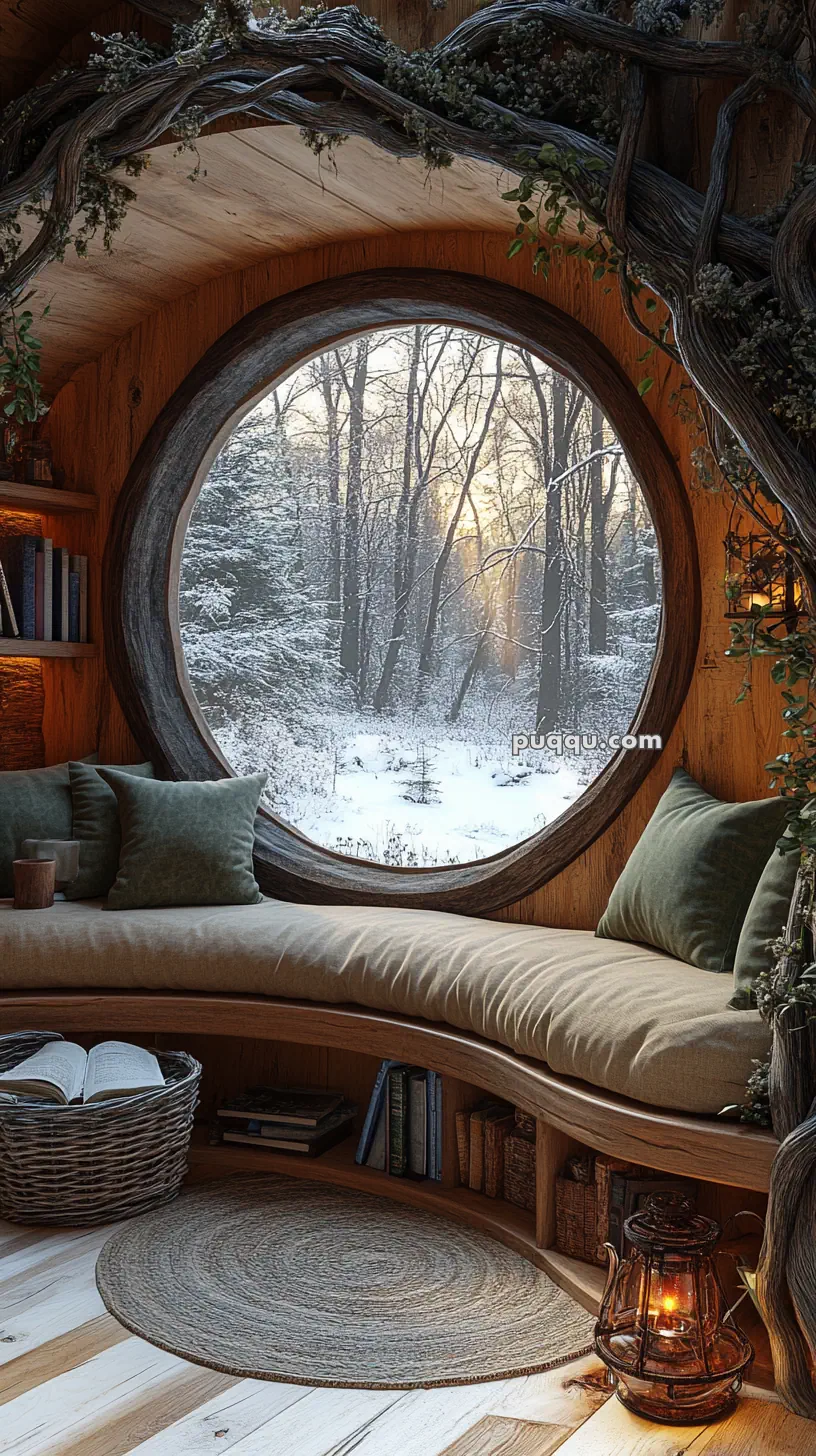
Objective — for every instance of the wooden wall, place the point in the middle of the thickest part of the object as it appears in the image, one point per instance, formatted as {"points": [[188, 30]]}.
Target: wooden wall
{"points": [[101, 416]]}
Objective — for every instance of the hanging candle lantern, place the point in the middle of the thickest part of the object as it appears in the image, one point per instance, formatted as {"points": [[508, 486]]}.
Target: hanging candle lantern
{"points": [[759, 573], [664, 1328]]}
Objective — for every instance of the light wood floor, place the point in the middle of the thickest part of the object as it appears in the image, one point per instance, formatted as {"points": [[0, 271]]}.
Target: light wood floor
{"points": [[72, 1380]]}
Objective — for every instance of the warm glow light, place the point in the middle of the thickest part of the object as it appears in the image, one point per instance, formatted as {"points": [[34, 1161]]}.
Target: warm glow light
{"points": [[669, 1304]]}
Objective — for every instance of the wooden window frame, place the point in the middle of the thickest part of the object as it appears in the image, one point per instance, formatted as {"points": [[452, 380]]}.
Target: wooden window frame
{"points": [[143, 557]]}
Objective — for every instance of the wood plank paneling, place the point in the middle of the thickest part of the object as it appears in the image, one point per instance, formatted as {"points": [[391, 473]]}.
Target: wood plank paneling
{"points": [[101, 416]]}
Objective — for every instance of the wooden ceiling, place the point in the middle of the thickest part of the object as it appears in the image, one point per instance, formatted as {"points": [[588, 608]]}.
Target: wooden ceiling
{"points": [[259, 190]]}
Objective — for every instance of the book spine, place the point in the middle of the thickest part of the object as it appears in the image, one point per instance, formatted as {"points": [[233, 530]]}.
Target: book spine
{"points": [[375, 1102], [73, 606], [83, 598], [8, 616], [476, 1180], [61, 573], [463, 1147], [430, 1120], [418, 1125], [45, 546], [398, 1121], [438, 1101], [29, 552], [376, 1157], [39, 597], [605, 1166], [496, 1131], [79, 568], [20, 562]]}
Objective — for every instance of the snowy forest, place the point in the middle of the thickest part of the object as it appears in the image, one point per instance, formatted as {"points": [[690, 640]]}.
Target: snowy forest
{"points": [[421, 542]]}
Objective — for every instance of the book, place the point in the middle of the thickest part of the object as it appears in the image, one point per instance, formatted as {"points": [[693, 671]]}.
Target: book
{"points": [[79, 564], [64, 1072], [73, 606], [45, 552], [18, 555], [296, 1107], [61, 563], [8, 616], [498, 1125], [605, 1166], [397, 1120], [418, 1123], [438, 1123], [377, 1155], [375, 1104], [463, 1146], [309, 1141], [478, 1118]]}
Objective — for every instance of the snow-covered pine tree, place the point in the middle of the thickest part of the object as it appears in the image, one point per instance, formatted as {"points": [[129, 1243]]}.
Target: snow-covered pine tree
{"points": [[253, 627], [421, 787]]}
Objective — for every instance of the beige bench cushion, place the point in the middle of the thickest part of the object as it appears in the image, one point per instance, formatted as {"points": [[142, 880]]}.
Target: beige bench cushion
{"points": [[619, 1016]]}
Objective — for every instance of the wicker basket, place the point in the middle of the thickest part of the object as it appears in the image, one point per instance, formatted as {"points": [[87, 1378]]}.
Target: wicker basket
{"points": [[99, 1161]]}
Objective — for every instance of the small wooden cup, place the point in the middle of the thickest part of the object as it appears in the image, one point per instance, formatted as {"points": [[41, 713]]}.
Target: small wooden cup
{"points": [[34, 881]]}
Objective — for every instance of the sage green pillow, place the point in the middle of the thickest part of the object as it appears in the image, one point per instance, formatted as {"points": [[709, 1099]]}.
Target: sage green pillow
{"points": [[766, 920], [96, 826], [35, 803], [688, 883], [185, 843]]}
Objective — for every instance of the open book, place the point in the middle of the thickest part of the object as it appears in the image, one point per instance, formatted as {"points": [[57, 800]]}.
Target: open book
{"points": [[65, 1072]]}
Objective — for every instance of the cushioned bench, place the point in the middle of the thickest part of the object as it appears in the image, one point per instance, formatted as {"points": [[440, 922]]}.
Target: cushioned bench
{"points": [[621, 1017]]}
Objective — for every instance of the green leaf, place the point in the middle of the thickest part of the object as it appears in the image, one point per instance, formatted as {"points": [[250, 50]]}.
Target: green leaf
{"points": [[645, 385], [515, 247]]}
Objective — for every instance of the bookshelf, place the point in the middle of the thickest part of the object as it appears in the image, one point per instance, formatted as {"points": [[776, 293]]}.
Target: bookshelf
{"points": [[28, 647], [45, 499]]}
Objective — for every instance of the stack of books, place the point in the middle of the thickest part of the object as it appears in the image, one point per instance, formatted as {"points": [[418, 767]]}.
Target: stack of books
{"points": [[284, 1119], [43, 591], [402, 1131], [594, 1197], [495, 1144]]}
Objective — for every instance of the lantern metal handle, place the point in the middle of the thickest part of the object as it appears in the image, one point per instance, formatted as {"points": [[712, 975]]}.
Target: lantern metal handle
{"points": [[611, 1273]]}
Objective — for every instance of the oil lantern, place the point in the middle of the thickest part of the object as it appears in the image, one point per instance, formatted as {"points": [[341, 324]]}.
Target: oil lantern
{"points": [[664, 1328]]}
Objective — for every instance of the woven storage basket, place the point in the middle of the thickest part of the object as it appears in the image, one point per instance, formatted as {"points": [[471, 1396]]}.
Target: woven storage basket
{"points": [[91, 1163]]}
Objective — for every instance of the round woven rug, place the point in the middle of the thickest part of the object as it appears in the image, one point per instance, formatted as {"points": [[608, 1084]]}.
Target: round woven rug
{"points": [[277, 1279]]}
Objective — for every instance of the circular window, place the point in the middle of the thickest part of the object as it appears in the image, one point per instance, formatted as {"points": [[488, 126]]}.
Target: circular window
{"points": [[420, 587], [411, 544]]}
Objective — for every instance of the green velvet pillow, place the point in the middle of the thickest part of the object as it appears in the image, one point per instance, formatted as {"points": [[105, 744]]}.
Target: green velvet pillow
{"points": [[185, 843], [688, 883], [766, 919], [35, 803], [96, 826]]}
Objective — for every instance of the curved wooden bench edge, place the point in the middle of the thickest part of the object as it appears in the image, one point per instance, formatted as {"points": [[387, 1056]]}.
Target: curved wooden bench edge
{"points": [[699, 1147]]}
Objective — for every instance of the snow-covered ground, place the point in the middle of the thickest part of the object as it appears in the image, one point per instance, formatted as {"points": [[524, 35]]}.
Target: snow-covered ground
{"points": [[484, 802], [356, 789]]}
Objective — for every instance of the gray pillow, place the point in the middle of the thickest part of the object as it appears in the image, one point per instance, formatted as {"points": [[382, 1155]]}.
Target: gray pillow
{"points": [[185, 843], [35, 803], [689, 880], [96, 826], [766, 920]]}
